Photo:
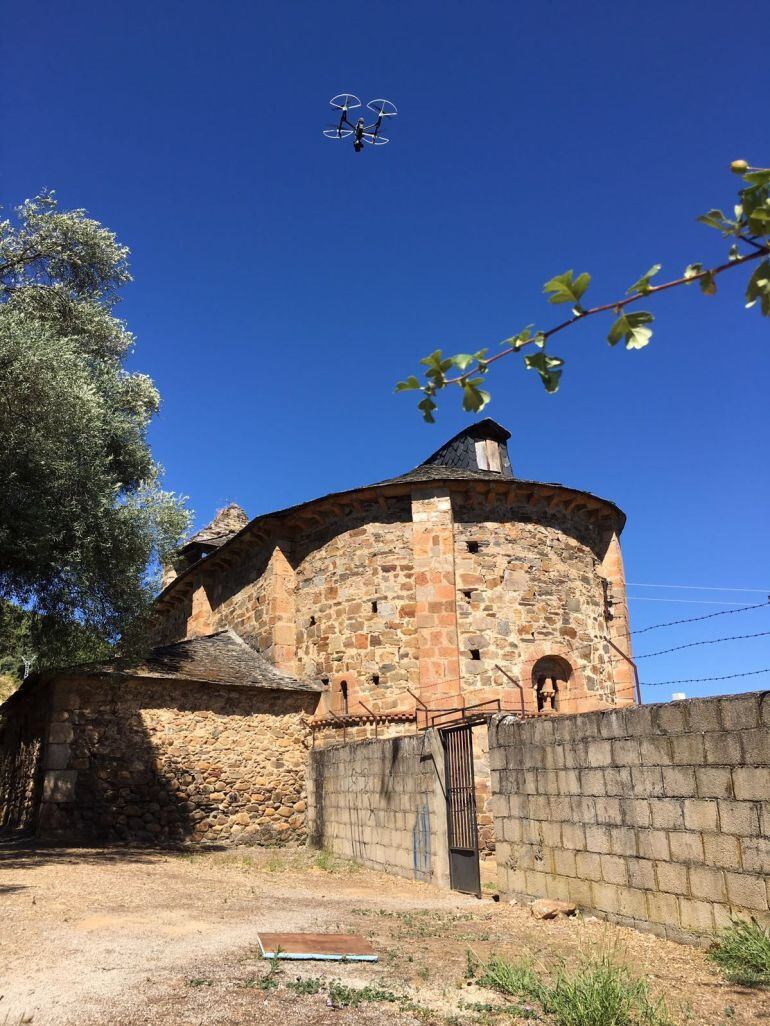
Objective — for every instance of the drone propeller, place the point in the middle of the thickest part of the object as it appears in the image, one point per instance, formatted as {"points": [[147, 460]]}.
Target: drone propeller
{"points": [[375, 140], [343, 101], [382, 108], [337, 133]]}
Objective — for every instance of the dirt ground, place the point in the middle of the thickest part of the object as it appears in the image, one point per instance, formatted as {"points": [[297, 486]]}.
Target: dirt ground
{"points": [[123, 937]]}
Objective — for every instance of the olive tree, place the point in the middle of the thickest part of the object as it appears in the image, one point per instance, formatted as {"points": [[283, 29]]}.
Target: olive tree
{"points": [[84, 520]]}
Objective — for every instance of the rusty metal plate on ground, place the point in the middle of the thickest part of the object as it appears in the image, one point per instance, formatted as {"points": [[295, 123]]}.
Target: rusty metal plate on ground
{"points": [[335, 947]]}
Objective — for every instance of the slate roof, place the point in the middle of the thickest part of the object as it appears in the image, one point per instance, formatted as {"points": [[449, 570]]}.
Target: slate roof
{"points": [[225, 524], [220, 658]]}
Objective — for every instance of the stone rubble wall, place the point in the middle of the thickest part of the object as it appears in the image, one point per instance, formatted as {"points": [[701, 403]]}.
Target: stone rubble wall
{"points": [[148, 761], [22, 730], [534, 587], [655, 816], [382, 803]]}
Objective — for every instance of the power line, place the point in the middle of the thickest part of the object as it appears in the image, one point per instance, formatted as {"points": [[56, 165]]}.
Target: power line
{"points": [[701, 680], [695, 619], [697, 587], [689, 602], [694, 644]]}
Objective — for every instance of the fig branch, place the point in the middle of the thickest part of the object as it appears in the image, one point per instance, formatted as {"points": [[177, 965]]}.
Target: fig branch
{"points": [[750, 225]]}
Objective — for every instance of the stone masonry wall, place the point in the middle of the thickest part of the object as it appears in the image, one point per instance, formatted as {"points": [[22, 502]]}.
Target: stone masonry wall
{"points": [[160, 761], [22, 732], [655, 816], [534, 587], [382, 804]]}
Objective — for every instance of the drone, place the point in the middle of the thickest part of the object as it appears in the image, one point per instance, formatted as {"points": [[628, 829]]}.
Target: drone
{"points": [[361, 132]]}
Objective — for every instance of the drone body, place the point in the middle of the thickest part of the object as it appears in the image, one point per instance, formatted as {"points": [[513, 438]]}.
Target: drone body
{"points": [[361, 132]]}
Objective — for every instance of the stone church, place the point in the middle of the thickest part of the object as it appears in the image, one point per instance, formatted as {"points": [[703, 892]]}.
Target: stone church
{"points": [[370, 612]]}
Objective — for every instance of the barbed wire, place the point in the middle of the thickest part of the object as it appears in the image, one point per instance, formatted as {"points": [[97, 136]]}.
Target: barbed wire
{"points": [[693, 619], [701, 680], [694, 644]]}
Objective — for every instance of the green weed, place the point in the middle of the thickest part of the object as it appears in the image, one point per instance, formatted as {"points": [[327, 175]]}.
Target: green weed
{"points": [[196, 982], [742, 952], [598, 993], [311, 985], [343, 996]]}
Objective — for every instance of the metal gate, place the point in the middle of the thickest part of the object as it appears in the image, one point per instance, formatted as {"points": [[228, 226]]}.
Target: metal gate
{"points": [[461, 810]]}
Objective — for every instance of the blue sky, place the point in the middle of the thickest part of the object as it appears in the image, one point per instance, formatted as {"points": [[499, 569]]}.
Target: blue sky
{"points": [[283, 283]]}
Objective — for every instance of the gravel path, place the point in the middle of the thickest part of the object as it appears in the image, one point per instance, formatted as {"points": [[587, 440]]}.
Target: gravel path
{"points": [[123, 937]]}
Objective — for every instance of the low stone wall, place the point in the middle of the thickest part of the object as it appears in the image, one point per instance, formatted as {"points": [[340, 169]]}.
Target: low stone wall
{"points": [[382, 803], [22, 729], [655, 816], [152, 761]]}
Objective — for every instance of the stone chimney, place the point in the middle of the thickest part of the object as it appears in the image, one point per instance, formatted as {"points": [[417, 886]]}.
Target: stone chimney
{"points": [[481, 446]]}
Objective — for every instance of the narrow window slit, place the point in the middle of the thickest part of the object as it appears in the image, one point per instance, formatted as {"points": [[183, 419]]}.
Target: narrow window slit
{"points": [[475, 653], [473, 546]]}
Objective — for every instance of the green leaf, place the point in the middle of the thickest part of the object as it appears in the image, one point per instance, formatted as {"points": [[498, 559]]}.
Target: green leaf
{"points": [[708, 285], [643, 284], [409, 385], [427, 406], [692, 270], [520, 339], [548, 367], [714, 219], [631, 328], [758, 288], [564, 288], [539, 340], [474, 398], [463, 360], [758, 177]]}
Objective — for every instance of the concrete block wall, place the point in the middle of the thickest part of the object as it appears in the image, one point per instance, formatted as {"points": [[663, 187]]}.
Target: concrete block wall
{"points": [[382, 803], [655, 816]]}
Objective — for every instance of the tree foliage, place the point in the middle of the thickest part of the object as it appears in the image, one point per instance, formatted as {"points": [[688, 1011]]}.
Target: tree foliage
{"points": [[83, 516], [748, 231]]}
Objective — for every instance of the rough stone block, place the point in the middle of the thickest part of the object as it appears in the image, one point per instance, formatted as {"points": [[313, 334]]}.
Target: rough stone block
{"points": [[747, 891], [670, 718], [625, 752], [609, 811], [663, 908], [597, 838], [696, 915], [60, 733], [617, 780], [592, 782], [667, 814], [647, 781], [687, 749], [686, 846], [641, 874], [707, 883], [623, 840], [756, 746], [672, 878], [723, 748], [573, 836], [755, 854], [701, 814], [714, 782], [655, 751], [702, 714], [599, 753], [636, 812], [59, 785], [679, 781], [722, 850], [752, 783], [740, 712], [614, 870], [57, 757], [740, 818], [639, 721], [653, 844], [605, 897], [588, 865], [564, 862], [632, 903]]}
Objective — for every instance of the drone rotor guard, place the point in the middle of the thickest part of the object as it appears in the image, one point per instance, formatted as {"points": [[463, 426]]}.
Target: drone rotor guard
{"points": [[337, 133], [374, 139], [383, 108], [345, 103]]}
